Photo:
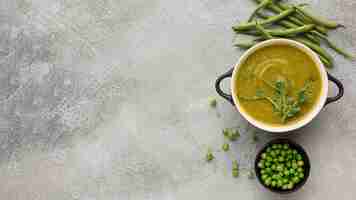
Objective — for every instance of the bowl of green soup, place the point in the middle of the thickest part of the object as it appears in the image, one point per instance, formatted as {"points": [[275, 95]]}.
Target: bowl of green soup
{"points": [[279, 85]]}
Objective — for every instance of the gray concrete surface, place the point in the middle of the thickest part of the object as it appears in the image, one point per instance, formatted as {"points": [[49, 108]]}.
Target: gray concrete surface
{"points": [[107, 99]]}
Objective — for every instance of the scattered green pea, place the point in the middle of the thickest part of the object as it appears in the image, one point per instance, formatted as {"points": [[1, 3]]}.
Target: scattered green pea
{"points": [[209, 156], [235, 165], [251, 174], [212, 102], [254, 137], [231, 134], [235, 173], [226, 147]]}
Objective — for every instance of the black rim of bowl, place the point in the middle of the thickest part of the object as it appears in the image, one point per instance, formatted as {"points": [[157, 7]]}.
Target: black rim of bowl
{"points": [[295, 146]]}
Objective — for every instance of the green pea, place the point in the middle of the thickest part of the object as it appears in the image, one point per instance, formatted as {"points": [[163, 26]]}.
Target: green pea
{"points": [[279, 146], [284, 187], [260, 164], [269, 149], [274, 184], [299, 157], [267, 164], [289, 164], [251, 174], [294, 165], [285, 146], [212, 102], [275, 176], [235, 165], [289, 157], [264, 155], [301, 175], [275, 160], [290, 185], [264, 177], [300, 163], [235, 173], [286, 172], [263, 171], [278, 152], [274, 146], [281, 174], [269, 159], [295, 152], [279, 183], [280, 159], [273, 154], [300, 170], [268, 181], [226, 147], [283, 153], [295, 180], [209, 156], [289, 151], [292, 171], [279, 168], [285, 181], [273, 167], [268, 170]]}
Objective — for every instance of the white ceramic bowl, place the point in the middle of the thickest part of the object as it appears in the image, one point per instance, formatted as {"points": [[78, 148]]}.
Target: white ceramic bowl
{"points": [[308, 117]]}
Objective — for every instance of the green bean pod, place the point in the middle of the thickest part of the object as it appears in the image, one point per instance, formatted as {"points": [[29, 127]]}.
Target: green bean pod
{"points": [[264, 32], [276, 18], [260, 6], [316, 48], [325, 62], [289, 24], [273, 7], [245, 45], [336, 48], [319, 20], [291, 31], [302, 17]]}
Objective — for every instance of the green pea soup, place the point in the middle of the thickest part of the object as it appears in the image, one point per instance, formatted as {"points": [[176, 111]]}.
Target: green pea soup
{"points": [[271, 64]]}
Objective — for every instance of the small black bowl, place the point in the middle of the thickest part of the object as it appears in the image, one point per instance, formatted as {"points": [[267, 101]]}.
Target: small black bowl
{"points": [[294, 146]]}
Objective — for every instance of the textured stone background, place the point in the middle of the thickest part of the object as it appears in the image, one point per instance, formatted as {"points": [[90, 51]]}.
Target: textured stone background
{"points": [[107, 99]]}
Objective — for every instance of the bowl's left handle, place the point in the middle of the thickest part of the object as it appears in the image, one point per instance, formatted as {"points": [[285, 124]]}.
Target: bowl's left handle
{"points": [[218, 88]]}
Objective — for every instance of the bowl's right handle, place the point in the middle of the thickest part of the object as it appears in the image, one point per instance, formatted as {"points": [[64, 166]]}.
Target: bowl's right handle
{"points": [[340, 87], [218, 88]]}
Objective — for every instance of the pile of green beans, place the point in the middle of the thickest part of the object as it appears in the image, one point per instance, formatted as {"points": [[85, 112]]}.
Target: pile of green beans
{"points": [[292, 22], [281, 167]]}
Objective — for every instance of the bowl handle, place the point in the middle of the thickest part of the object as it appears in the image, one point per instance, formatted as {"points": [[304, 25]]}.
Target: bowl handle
{"points": [[218, 88], [340, 87]]}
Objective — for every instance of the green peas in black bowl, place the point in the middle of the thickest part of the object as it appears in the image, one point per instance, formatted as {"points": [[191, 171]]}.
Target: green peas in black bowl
{"points": [[282, 166]]}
